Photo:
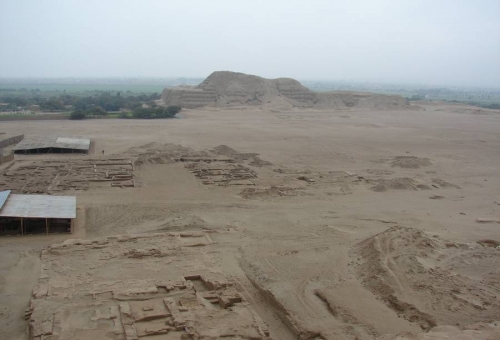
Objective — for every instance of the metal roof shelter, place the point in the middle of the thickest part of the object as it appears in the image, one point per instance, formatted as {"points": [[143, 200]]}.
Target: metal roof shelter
{"points": [[39, 206], [43, 144], [35, 214], [3, 197]]}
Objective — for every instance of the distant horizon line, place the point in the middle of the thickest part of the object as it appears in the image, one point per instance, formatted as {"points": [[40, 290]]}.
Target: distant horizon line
{"points": [[352, 81]]}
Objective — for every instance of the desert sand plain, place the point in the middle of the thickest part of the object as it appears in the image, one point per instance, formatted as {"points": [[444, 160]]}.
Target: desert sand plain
{"points": [[356, 224]]}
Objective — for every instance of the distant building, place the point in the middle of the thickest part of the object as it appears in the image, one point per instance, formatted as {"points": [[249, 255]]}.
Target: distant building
{"points": [[53, 144]]}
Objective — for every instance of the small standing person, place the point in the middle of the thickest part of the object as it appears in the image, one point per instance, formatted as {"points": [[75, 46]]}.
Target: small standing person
{"points": [[103, 152]]}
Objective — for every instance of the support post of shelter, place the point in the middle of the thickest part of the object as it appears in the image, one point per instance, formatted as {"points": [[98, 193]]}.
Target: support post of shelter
{"points": [[47, 226], [22, 227]]}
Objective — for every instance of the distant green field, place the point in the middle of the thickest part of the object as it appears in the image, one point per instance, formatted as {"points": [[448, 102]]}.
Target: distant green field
{"points": [[82, 88], [48, 116]]}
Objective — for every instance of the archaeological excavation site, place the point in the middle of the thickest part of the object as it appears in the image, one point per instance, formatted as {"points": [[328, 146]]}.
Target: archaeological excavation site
{"points": [[269, 211]]}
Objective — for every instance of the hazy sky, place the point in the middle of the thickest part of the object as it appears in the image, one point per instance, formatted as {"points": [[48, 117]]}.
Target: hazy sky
{"points": [[449, 42]]}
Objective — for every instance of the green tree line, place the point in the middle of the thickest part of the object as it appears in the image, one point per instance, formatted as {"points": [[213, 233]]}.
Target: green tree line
{"points": [[138, 113], [108, 101]]}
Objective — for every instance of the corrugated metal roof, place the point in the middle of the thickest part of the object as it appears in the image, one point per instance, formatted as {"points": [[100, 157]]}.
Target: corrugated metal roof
{"points": [[3, 197], [82, 142], [39, 206], [61, 142]]}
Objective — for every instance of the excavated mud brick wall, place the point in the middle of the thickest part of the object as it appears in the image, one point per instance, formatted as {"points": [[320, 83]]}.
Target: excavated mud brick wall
{"points": [[8, 158], [7, 142], [190, 98]]}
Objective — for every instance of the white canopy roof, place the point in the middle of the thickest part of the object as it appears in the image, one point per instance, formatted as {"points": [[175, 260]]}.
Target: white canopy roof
{"points": [[38, 206], [3, 197], [59, 142]]}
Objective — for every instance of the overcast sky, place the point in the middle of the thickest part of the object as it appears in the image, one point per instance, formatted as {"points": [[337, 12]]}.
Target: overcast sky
{"points": [[448, 42]]}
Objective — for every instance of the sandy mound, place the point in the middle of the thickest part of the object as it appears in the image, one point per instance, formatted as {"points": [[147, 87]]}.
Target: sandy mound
{"points": [[429, 281], [470, 110], [231, 89], [407, 183], [359, 100], [269, 193], [474, 332], [224, 150], [155, 153], [410, 162], [440, 183], [131, 218], [400, 183]]}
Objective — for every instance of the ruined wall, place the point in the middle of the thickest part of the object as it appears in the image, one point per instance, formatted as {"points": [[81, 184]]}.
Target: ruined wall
{"points": [[186, 299], [5, 159], [10, 141], [7, 142], [188, 97], [361, 100]]}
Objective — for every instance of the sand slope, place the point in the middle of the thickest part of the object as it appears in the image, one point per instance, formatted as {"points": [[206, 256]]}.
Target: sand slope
{"points": [[428, 280]]}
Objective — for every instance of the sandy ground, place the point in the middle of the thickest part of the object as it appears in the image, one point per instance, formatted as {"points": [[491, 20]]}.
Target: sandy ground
{"points": [[378, 236]]}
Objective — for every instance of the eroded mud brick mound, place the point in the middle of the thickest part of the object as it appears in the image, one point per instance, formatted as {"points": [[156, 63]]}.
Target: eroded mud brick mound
{"points": [[429, 281], [410, 162], [232, 89], [359, 100]]}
